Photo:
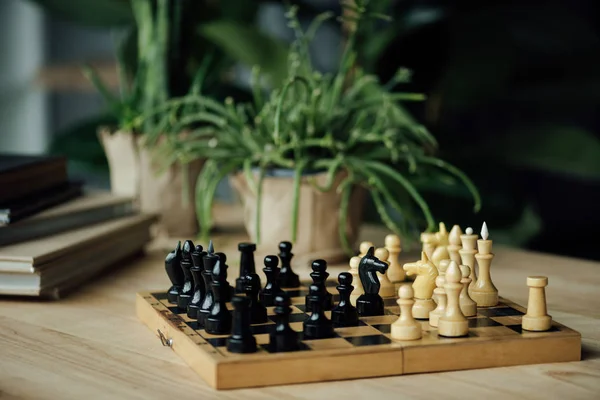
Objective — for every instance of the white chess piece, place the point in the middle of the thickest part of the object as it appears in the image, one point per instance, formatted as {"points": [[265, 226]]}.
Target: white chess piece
{"points": [[467, 305], [395, 272], [440, 293], [406, 327], [387, 288], [537, 318], [453, 323], [358, 287]]}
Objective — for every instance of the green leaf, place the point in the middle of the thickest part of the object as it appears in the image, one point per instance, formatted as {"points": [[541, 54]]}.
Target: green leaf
{"points": [[248, 45], [97, 13]]}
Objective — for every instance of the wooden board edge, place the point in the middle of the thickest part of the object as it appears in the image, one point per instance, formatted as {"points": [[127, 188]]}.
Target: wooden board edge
{"points": [[182, 345], [333, 367], [498, 353]]}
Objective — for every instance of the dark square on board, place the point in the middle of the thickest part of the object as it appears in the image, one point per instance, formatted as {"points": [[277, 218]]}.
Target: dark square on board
{"points": [[482, 322], [390, 301], [383, 328], [160, 296], [519, 329], [194, 325], [217, 342], [261, 329], [499, 312], [371, 340]]}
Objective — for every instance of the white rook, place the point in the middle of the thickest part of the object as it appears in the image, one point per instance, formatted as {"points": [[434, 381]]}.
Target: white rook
{"points": [[537, 318]]}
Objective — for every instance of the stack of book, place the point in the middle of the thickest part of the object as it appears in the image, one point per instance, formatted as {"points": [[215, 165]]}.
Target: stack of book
{"points": [[54, 234]]}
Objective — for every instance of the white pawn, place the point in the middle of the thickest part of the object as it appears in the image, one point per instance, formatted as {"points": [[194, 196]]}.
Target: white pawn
{"points": [[536, 319], [440, 294], [395, 271], [358, 287], [406, 327], [467, 304], [453, 323], [387, 288]]}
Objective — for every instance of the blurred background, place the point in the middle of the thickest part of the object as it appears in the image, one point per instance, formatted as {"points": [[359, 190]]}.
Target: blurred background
{"points": [[513, 92]]}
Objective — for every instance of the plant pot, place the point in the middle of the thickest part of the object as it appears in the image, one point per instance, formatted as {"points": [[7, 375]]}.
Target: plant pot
{"points": [[135, 173], [318, 221]]}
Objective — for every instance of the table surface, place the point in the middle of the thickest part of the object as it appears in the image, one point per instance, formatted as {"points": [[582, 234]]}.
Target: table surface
{"points": [[91, 344]]}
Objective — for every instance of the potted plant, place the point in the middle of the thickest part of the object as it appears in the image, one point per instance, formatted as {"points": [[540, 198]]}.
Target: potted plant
{"points": [[303, 158]]}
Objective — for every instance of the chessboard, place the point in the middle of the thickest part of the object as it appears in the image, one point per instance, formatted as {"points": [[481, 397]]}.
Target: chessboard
{"points": [[495, 339]]}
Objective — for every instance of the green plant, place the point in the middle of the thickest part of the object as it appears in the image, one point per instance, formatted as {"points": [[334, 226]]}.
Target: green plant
{"points": [[346, 121]]}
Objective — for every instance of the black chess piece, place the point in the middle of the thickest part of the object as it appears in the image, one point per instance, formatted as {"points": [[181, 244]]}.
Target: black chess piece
{"points": [[271, 289], [344, 313], [370, 303], [209, 262], [175, 273], [241, 340], [317, 325], [258, 312], [186, 293], [319, 277], [287, 277], [218, 321], [283, 338], [229, 290], [247, 265], [199, 286]]}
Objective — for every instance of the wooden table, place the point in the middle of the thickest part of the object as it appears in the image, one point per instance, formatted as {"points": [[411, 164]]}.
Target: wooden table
{"points": [[91, 344]]}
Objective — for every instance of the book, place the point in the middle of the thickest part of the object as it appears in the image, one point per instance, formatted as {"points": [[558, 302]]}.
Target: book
{"points": [[60, 263], [89, 209], [23, 207], [22, 175], [45, 253]]}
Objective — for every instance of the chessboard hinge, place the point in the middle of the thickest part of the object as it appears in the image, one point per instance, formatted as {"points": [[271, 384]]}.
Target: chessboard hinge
{"points": [[164, 340]]}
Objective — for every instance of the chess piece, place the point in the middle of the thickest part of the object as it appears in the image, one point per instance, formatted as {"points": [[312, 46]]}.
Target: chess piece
{"points": [[283, 338], [467, 304], [230, 290], [429, 243], [370, 302], [440, 293], [395, 272], [358, 289], [187, 291], [247, 265], [199, 287], [406, 327], [319, 276], [344, 313], [441, 251], [467, 254], [317, 325], [387, 287], [258, 312], [454, 244], [364, 248], [484, 292], [209, 261], [175, 273], [453, 323], [423, 286], [271, 289], [287, 277], [443, 267], [241, 340], [536, 319], [218, 321]]}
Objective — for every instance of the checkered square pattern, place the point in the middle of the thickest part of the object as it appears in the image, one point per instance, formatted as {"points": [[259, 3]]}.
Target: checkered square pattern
{"points": [[498, 321]]}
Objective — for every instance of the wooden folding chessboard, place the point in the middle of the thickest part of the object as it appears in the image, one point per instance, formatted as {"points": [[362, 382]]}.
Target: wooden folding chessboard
{"points": [[495, 339]]}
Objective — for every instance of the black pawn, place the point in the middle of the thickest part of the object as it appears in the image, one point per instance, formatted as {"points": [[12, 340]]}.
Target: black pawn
{"points": [[175, 273], [344, 314], [218, 321], [317, 325], [319, 277], [229, 290], [186, 293], [199, 288], [287, 277], [209, 262], [271, 289], [283, 338], [241, 339], [258, 312]]}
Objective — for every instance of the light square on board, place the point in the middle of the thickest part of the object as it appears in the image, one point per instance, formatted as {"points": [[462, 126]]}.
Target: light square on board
{"points": [[365, 330], [328, 344], [380, 319], [492, 331], [508, 320]]}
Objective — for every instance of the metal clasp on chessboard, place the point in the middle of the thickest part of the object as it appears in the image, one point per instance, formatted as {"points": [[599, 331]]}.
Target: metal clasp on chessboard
{"points": [[164, 340]]}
